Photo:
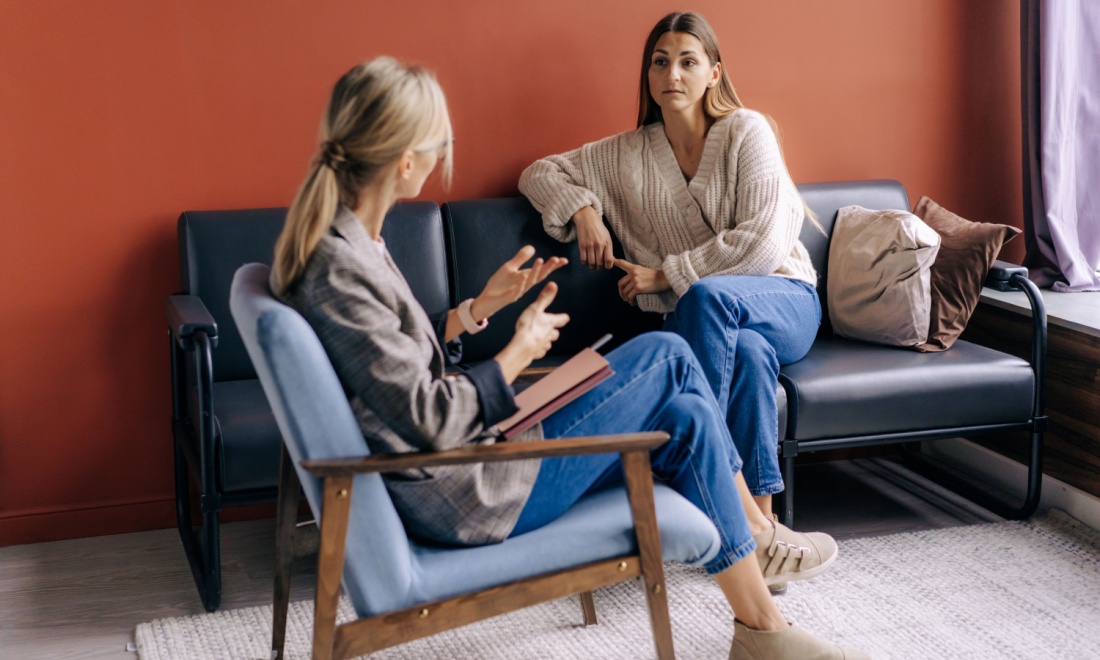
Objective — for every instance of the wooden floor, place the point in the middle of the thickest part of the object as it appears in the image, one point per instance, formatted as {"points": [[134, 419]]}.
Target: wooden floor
{"points": [[83, 598]]}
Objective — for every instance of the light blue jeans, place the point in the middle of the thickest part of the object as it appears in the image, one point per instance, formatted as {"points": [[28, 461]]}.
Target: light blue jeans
{"points": [[658, 386], [742, 328]]}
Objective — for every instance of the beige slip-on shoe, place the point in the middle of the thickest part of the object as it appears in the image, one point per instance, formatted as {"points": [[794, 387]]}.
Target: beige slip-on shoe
{"points": [[794, 643], [786, 555]]}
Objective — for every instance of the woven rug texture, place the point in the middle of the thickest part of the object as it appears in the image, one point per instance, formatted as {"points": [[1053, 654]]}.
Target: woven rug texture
{"points": [[1026, 589]]}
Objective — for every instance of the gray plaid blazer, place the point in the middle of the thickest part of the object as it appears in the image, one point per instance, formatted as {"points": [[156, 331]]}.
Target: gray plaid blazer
{"points": [[385, 351]]}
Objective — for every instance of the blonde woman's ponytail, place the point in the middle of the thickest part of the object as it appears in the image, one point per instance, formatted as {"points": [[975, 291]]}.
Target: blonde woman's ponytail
{"points": [[377, 111], [308, 219]]}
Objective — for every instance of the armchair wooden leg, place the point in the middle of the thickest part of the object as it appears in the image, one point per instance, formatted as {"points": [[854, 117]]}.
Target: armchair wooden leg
{"points": [[285, 518], [588, 608], [330, 564], [639, 486]]}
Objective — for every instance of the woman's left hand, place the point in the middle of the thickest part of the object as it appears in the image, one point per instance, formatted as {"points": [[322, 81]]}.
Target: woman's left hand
{"points": [[511, 281], [639, 279]]}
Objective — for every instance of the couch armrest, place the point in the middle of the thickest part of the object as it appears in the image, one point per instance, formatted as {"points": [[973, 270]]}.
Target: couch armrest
{"points": [[501, 451], [187, 315], [1001, 274], [1004, 276]]}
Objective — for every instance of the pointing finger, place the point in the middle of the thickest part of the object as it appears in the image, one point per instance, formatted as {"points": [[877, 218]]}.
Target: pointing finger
{"points": [[623, 264]]}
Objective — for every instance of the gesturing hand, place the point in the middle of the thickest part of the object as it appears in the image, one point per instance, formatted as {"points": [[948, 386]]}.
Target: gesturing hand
{"points": [[593, 239], [511, 281], [639, 279], [536, 329]]}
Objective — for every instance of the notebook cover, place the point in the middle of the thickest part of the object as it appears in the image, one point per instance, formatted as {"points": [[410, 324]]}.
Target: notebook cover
{"points": [[553, 406], [576, 376]]}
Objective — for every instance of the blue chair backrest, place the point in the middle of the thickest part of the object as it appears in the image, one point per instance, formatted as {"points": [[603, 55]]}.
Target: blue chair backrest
{"points": [[317, 422]]}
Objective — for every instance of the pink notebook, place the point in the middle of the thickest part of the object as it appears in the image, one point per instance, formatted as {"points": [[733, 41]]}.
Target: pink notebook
{"points": [[579, 374]]}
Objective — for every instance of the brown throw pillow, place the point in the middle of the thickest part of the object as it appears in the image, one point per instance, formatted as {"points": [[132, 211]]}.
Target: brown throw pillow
{"points": [[967, 251]]}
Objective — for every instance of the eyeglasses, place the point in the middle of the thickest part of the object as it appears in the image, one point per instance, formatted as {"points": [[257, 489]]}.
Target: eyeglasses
{"points": [[441, 150]]}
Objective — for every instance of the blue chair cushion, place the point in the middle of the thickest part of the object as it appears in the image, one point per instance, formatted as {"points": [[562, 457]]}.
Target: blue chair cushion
{"points": [[598, 527], [846, 388]]}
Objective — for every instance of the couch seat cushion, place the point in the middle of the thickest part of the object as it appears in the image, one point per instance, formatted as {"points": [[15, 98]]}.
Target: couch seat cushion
{"points": [[248, 437], [845, 388]]}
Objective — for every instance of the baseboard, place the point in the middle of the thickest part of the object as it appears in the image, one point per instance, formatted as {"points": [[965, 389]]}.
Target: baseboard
{"points": [[1011, 477], [62, 522], [74, 521]]}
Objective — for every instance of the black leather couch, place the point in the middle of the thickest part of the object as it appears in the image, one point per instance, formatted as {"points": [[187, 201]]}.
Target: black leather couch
{"points": [[843, 394]]}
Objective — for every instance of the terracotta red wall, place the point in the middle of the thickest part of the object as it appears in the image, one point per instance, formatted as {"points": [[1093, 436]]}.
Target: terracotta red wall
{"points": [[118, 114]]}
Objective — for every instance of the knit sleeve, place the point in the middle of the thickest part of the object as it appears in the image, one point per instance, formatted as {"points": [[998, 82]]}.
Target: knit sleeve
{"points": [[767, 218], [661, 303], [559, 186], [556, 187]]}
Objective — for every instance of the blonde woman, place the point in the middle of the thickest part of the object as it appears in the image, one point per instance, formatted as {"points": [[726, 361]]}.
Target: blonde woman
{"points": [[385, 131], [709, 219]]}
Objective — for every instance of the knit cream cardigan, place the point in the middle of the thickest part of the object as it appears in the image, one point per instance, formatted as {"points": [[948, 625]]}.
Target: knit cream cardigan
{"points": [[739, 215]]}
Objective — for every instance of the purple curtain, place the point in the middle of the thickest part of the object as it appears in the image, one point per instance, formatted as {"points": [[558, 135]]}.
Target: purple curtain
{"points": [[1061, 113]]}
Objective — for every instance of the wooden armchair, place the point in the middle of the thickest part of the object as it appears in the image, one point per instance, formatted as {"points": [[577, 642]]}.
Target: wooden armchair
{"points": [[402, 589]]}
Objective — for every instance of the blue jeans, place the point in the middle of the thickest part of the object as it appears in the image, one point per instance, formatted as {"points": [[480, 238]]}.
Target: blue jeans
{"points": [[742, 328], [657, 386]]}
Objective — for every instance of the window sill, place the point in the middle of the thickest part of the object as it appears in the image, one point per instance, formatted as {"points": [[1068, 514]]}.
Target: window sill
{"points": [[1074, 311]]}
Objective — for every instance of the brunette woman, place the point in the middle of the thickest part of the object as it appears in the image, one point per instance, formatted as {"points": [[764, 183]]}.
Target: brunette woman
{"points": [[709, 219]]}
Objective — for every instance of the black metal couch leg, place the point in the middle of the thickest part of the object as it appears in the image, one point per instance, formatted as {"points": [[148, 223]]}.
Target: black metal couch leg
{"points": [[787, 517], [1034, 476], [212, 561], [202, 547], [981, 496]]}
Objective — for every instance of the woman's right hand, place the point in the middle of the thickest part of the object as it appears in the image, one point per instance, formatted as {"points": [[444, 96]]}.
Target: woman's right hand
{"points": [[536, 331], [593, 239]]}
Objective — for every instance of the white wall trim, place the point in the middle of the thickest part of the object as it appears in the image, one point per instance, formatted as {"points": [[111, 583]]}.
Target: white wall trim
{"points": [[1011, 477]]}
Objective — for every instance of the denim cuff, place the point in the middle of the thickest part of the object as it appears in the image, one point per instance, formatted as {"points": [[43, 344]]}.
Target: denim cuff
{"points": [[727, 558], [772, 489]]}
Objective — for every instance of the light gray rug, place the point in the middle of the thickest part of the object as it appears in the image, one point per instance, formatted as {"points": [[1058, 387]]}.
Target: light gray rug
{"points": [[998, 590]]}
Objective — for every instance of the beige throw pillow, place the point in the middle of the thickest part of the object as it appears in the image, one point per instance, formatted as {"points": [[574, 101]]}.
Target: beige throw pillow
{"points": [[879, 287]]}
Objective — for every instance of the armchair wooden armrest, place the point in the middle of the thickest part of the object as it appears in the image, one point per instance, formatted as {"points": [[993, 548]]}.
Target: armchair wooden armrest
{"points": [[501, 451]]}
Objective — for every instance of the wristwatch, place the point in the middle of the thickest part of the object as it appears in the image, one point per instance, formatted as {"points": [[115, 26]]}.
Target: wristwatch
{"points": [[467, 318]]}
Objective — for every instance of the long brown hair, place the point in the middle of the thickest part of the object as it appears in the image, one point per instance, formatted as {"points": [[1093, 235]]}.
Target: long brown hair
{"points": [[378, 110], [718, 101]]}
